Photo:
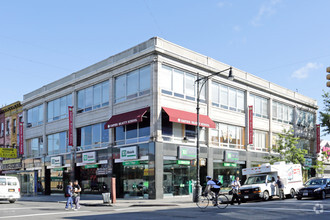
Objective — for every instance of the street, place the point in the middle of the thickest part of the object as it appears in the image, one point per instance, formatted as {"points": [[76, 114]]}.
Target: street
{"points": [[275, 209]]}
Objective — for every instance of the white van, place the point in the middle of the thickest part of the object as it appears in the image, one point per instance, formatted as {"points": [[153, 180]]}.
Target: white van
{"points": [[9, 188], [260, 182]]}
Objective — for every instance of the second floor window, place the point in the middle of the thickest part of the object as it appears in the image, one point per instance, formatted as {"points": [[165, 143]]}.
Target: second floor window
{"points": [[57, 143], [132, 84], [58, 108], [2, 130], [93, 97], [228, 136], [34, 147], [35, 116], [92, 136], [14, 126], [7, 127]]}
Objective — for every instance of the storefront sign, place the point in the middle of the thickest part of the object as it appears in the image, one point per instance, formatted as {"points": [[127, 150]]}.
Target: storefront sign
{"points": [[250, 124], [89, 157], [318, 141], [70, 142], [308, 162], [8, 152], [187, 153], [58, 169], [11, 164], [128, 153], [230, 164], [91, 166], [128, 163], [11, 161], [183, 162], [231, 156], [56, 161], [21, 138]]}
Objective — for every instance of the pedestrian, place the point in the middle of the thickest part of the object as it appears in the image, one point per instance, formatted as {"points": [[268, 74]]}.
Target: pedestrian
{"points": [[68, 194], [235, 187], [76, 194], [280, 186]]}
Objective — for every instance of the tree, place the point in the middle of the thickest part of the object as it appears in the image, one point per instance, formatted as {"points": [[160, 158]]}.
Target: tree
{"points": [[325, 114], [287, 149], [319, 166]]}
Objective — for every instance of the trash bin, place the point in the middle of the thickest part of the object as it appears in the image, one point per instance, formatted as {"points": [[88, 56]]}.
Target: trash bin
{"points": [[106, 197]]}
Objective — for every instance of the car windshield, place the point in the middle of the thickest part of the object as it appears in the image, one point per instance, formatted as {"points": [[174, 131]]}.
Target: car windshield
{"points": [[313, 182], [255, 180]]}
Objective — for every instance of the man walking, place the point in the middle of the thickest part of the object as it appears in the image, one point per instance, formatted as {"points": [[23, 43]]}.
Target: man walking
{"points": [[76, 194], [235, 186], [68, 194]]}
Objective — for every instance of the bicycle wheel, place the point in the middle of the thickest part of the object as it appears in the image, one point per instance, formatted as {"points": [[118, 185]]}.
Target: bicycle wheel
{"points": [[223, 201], [202, 202]]}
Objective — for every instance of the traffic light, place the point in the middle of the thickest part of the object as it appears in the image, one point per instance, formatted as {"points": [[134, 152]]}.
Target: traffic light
{"points": [[328, 76]]}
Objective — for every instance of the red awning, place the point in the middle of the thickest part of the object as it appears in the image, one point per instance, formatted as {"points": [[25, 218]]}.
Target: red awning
{"points": [[126, 118], [189, 118]]}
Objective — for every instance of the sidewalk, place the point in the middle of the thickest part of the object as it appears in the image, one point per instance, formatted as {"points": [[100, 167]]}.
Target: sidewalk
{"points": [[97, 200]]}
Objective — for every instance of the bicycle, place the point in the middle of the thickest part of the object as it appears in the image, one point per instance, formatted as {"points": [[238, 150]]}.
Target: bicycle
{"points": [[204, 200]]}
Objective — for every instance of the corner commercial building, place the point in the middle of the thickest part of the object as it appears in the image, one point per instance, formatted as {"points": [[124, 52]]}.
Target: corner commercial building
{"points": [[134, 118]]}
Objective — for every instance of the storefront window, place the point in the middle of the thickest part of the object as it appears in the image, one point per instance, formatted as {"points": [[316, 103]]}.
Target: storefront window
{"points": [[178, 177], [227, 172]]}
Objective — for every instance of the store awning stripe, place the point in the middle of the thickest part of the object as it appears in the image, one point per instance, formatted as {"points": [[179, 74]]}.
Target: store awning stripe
{"points": [[183, 117], [126, 118]]}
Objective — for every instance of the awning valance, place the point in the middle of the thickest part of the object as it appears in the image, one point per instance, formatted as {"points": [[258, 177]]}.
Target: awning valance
{"points": [[126, 118], [183, 117]]}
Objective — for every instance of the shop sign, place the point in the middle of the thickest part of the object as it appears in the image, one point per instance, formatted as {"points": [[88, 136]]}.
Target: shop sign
{"points": [[12, 166], [134, 162], [11, 161], [89, 157], [183, 162], [91, 166], [231, 156], [58, 169], [308, 162], [56, 161], [56, 178], [230, 164], [8, 152], [187, 153], [127, 153]]}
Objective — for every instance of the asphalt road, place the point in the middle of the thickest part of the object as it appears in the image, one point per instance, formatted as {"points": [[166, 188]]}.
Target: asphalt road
{"points": [[275, 209]]}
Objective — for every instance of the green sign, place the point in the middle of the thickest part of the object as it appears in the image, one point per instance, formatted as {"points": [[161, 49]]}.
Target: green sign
{"points": [[91, 166], [231, 156], [230, 164], [134, 162], [187, 153], [183, 162], [220, 178], [58, 169], [56, 178]]}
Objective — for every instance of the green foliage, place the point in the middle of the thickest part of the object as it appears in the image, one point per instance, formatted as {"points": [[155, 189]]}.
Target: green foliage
{"points": [[325, 114], [288, 152], [319, 166]]}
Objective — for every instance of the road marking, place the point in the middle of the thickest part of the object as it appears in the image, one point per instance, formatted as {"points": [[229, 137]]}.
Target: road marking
{"points": [[30, 215], [276, 209]]}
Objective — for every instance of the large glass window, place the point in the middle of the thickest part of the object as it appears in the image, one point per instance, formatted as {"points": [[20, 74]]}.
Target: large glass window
{"points": [[260, 106], [92, 136], [57, 143], [58, 108], [34, 147], [228, 136], [282, 113], [227, 97], [179, 84], [35, 116], [305, 119], [260, 141], [93, 97], [133, 84], [133, 133]]}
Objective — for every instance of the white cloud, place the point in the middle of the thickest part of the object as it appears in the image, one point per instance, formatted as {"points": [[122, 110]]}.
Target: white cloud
{"points": [[220, 4], [265, 10], [304, 71]]}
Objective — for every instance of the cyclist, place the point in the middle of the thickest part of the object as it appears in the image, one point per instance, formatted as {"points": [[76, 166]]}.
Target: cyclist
{"points": [[211, 185]]}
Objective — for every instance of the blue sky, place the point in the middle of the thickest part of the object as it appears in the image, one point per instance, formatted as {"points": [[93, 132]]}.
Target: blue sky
{"points": [[285, 42]]}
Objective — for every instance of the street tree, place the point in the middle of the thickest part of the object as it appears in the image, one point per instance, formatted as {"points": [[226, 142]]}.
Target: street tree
{"points": [[325, 113]]}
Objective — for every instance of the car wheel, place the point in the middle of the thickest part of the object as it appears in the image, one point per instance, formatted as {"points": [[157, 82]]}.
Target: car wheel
{"points": [[12, 201], [266, 196], [243, 201], [299, 197], [292, 193], [323, 195]]}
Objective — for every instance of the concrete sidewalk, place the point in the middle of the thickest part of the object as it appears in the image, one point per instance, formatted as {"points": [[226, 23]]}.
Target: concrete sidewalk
{"points": [[97, 200]]}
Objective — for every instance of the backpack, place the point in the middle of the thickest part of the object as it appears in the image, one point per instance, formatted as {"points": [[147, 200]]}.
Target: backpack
{"points": [[217, 182]]}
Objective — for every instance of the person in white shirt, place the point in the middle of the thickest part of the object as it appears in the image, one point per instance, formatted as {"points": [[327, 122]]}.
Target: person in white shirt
{"points": [[211, 185], [235, 187]]}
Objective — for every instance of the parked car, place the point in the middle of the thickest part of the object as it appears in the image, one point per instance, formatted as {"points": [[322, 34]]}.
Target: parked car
{"points": [[315, 188]]}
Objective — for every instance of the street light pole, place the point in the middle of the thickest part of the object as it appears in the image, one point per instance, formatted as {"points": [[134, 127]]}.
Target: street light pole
{"points": [[197, 189]]}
